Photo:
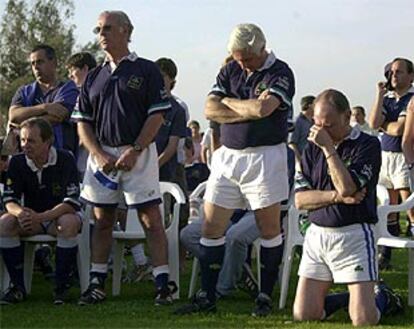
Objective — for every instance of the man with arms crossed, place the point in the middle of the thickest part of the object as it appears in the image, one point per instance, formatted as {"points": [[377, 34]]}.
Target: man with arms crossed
{"points": [[251, 99], [340, 169], [121, 109]]}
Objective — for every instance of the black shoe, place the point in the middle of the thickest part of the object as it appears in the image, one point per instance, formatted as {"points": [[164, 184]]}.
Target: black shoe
{"points": [[384, 263], [60, 295], [94, 294], [394, 300], [263, 305], [13, 295], [199, 304], [248, 282], [164, 294]]}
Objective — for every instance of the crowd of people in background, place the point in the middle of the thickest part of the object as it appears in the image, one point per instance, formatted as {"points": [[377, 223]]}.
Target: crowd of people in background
{"points": [[117, 129]]}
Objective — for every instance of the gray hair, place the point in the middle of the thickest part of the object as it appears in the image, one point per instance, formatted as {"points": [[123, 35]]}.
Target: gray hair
{"points": [[247, 37], [123, 20]]}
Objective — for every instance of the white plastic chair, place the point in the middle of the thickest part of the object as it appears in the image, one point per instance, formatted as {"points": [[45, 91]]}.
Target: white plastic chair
{"points": [[134, 231], [386, 239], [293, 239], [83, 257]]}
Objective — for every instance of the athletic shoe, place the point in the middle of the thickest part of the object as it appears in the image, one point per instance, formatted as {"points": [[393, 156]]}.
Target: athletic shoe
{"points": [[138, 273], [164, 294], [384, 263], [394, 300], [199, 304], [263, 305], [94, 294], [13, 295], [248, 282], [60, 295]]}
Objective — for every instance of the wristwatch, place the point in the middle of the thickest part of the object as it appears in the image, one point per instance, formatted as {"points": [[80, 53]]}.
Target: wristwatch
{"points": [[137, 147]]}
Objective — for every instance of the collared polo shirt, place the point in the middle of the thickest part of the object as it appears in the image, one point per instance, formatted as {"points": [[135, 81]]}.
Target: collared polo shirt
{"points": [[394, 108], [44, 188], [66, 94], [361, 154], [275, 76], [117, 103], [174, 125]]}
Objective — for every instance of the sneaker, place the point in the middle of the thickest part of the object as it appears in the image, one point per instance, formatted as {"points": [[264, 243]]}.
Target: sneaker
{"points": [[60, 295], [164, 294], [199, 304], [384, 263], [138, 273], [94, 294], [263, 305], [394, 300], [248, 282], [13, 295]]}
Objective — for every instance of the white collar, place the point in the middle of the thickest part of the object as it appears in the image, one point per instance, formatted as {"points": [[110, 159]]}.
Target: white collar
{"points": [[51, 161], [392, 94], [132, 57], [270, 60], [354, 133]]}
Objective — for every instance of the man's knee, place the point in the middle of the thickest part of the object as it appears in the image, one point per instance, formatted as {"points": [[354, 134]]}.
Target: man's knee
{"points": [[68, 226], [363, 318], [8, 225], [301, 313]]}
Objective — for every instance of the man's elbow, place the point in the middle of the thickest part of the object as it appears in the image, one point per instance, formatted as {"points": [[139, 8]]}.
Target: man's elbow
{"points": [[299, 204]]}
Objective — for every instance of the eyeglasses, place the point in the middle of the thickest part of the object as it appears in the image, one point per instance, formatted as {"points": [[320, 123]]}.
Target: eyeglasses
{"points": [[99, 29]]}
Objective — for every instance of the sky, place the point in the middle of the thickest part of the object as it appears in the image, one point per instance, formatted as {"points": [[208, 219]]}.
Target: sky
{"points": [[341, 44]]}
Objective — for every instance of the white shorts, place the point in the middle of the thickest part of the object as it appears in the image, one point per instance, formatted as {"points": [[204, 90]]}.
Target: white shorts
{"points": [[342, 255], [394, 172], [253, 178], [140, 186]]}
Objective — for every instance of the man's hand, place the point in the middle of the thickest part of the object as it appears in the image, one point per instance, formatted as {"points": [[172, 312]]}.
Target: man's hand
{"points": [[353, 199], [381, 89], [106, 162], [60, 113], [320, 137], [27, 219], [127, 159]]}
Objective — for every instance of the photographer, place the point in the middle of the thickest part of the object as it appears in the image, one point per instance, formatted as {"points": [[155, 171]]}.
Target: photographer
{"points": [[388, 115]]}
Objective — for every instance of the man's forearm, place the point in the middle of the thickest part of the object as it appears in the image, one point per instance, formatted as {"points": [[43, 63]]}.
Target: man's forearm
{"points": [[395, 128], [88, 138], [18, 114], [169, 151], [376, 118], [13, 208], [56, 212], [341, 178], [315, 199], [150, 130]]}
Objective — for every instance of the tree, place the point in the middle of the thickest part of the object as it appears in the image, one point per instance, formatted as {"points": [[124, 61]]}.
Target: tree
{"points": [[47, 21]]}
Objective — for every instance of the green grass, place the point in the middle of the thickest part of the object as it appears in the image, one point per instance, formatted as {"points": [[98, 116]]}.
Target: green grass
{"points": [[134, 308]]}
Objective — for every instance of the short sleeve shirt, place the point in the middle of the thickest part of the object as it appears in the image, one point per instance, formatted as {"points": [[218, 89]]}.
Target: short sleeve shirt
{"points": [[43, 189], [299, 136], [174, 125], [118, 103], [66, 94], [361, 154], [275, 76], [393, 109]]}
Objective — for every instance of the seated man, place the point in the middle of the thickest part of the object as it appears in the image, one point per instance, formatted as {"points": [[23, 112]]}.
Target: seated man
{"points": [[49, 182], [340, 169]]}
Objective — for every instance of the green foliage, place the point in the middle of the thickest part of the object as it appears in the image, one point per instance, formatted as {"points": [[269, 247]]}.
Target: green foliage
{"points": [[46, 21]]}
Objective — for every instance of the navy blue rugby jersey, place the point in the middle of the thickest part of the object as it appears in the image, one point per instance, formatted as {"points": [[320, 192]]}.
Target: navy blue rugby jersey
{"points": [[118, 103], [44, 189], [361, 154], [276, 76], [392, 110]]}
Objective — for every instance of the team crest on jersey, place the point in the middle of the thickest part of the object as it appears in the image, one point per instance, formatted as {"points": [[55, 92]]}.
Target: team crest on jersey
{"points": [[9, 181], [261, 87], [135, 82]]}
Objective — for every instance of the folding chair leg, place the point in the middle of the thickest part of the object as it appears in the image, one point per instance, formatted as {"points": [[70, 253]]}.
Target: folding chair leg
{"points": [[194, 275], [29, 256], [174, 265], [118, 256], [287, 266]]}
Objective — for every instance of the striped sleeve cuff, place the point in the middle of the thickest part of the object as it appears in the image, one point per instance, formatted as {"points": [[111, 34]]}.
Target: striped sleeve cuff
{"points": [[80, 116], [279, 93], [160, 107]]}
